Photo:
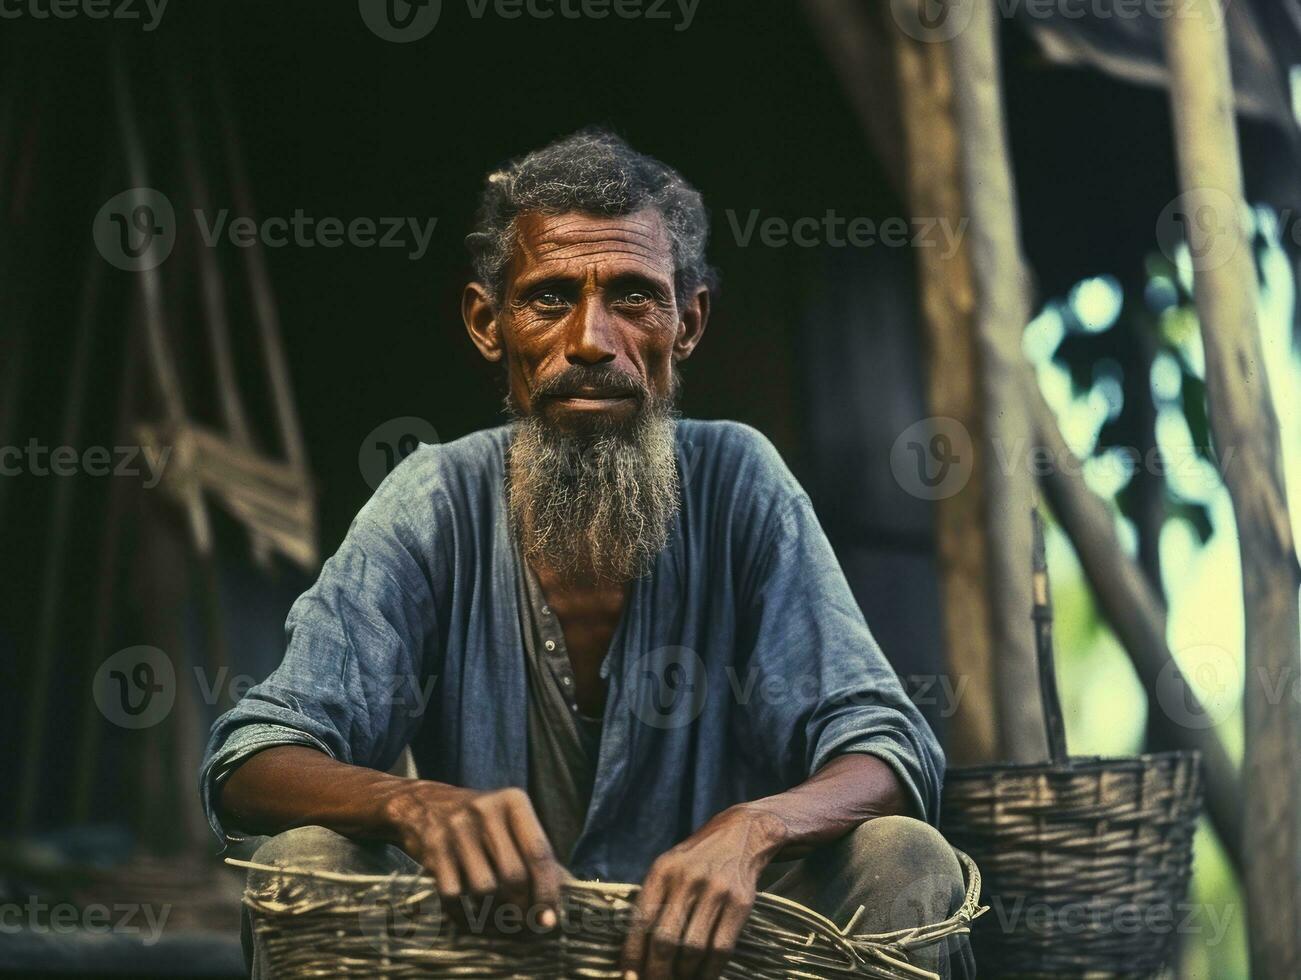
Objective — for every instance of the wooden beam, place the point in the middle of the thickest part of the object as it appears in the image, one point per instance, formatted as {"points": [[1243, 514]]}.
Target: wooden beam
{"points": [[1002, 311], [947, 300], [1243, 423]]}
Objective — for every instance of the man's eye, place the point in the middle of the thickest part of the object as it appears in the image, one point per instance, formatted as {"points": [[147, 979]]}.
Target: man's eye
{"points": [[549, 300], [638, 297]]}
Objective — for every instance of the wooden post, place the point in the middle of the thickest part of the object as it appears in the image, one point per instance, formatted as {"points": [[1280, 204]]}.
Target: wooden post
{"points": [[947, 298], [1002, 311], [1243, 422]]}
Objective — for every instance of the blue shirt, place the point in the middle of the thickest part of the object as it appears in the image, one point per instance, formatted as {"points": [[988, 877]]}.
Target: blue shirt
{"points": [[740, 666]]}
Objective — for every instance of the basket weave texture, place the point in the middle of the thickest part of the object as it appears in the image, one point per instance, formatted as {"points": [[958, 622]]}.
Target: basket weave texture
{"points": [[322, 924], [1085, 864]]}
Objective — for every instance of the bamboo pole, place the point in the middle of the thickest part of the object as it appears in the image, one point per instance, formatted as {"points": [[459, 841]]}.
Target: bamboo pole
{"points": [[1002, 311], [1243, 420], [947, 297]]}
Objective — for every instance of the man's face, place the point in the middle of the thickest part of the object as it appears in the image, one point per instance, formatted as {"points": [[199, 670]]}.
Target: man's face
{"points": [[588, 325]]}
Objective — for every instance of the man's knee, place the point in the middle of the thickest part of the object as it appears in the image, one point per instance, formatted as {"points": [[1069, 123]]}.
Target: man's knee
{"points": [[319, 849], [901, 842], [905, 871]]}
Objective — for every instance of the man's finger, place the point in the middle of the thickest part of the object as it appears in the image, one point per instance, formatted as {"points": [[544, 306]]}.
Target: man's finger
{"points": [[544, 871], [441, 863], [476, 870], [508, 865], [642, 919], [696, 938], [664, 941], [727, 930]]}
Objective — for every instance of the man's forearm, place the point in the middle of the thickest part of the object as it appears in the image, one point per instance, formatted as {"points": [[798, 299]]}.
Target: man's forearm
{"points": [[289, 786], [697, 896], [833, 801], [474, 842]]}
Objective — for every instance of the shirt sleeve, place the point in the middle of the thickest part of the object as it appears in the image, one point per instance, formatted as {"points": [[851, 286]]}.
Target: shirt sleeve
{"points": [[358, 658], [824, 688], [243, 742]]}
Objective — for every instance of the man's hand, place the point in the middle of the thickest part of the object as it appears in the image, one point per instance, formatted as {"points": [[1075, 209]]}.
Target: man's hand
{"points": [[477, 844], [480, 845], [697, 897]]}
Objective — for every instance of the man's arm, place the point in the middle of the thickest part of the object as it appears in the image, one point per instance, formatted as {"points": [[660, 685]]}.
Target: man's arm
{"points": [[697, 896], [476, 843]]}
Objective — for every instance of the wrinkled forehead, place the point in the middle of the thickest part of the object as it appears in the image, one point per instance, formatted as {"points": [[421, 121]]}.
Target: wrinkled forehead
{"points": [[574, 244]]}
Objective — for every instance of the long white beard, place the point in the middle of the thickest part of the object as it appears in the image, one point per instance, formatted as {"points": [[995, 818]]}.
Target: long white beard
{"points": [[595, 507]]}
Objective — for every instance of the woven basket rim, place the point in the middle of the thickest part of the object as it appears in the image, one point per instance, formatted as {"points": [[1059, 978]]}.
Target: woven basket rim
{"points": [[970, 908], [1076, 765], [884, 949]]}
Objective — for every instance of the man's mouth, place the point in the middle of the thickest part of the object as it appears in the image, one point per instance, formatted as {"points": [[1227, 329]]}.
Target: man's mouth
{"points": [[590, 399]]}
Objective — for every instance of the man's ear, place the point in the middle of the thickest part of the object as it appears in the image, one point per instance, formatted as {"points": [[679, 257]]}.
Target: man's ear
{"points": [[691, 325], [480, 316]]}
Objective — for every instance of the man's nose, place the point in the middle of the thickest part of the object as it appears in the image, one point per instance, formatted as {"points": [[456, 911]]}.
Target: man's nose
{"points": [[590, 339]]}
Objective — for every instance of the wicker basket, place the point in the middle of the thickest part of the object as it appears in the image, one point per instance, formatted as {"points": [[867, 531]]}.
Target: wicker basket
{"points": [[324, 924], [1085, 860]]}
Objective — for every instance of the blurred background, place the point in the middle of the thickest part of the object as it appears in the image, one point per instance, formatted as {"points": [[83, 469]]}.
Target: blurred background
{"points": [[231, 394]]}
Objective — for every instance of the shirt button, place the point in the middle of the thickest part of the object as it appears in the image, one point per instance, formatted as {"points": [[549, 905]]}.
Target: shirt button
{"points": [[565, 681], [546, 610], [550, 644]]}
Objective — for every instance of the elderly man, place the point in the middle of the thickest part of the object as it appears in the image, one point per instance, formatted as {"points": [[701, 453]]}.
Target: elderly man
{"points": [[617, 643]]}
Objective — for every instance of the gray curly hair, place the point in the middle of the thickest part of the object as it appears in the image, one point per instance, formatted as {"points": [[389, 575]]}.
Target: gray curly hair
{"points": [[592, 171]]}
